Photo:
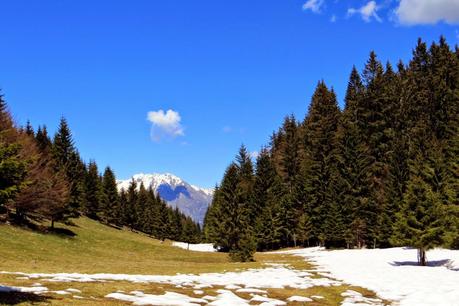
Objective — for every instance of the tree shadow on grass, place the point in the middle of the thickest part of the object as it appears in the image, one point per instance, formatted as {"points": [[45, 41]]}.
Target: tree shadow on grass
{"points": [[35, 224], [63, 232], [15, 297]]}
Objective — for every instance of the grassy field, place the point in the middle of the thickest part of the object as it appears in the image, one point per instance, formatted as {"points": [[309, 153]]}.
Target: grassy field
{"points": [[96, 248]]}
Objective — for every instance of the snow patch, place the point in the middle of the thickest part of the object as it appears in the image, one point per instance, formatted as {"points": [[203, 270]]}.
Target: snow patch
{"points": [[201, 247], [61, 292], [226, 298], [297, 298], [166, 299]]}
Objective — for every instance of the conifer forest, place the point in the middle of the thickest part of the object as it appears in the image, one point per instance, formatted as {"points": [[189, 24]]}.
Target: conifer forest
{"points": [[382, 172]]}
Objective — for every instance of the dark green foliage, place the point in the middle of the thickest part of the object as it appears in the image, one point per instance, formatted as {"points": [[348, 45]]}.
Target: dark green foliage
{"points": [[94, 192], [12, 172], [232, 214], [111, 198], [267, 190], [142, 210], [69, 161], [129, 212], [319, 166], [421, 220], [43, 141], [286, 157], [12, 164], [382, 172]]}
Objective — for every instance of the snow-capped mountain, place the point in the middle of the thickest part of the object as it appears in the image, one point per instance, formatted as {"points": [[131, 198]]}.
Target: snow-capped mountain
{"points": [[191, 200]]}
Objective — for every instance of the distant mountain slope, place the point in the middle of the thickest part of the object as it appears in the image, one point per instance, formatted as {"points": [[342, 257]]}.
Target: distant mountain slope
{"points": [[191, 200]]}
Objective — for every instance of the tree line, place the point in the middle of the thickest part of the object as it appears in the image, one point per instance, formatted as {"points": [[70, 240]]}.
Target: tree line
{"points": [[44, 178], [381, 172]]}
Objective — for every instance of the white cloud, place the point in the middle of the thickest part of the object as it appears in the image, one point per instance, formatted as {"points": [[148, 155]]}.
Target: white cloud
{"points": [[313, 5], [368, 11], [411, 12], [254, 154], [333, 18], [165, 124]]}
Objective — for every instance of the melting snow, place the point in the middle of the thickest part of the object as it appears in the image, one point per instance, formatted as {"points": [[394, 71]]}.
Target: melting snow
{"points": [[267, 301], [297, 298], [393, 273], [352, 297], [273, 277], [167, 299]]}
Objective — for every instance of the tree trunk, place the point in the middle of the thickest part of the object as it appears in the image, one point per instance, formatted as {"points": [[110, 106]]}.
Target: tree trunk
{"points": [[52, 223], [422, 259], [294, 240], [188, 246]]}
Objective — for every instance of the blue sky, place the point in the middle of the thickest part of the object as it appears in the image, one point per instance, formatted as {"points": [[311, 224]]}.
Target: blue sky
{"points": [[177, 86]]}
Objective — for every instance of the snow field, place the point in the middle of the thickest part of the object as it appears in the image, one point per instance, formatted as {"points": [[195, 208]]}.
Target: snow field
{"points": [[392, 273]]}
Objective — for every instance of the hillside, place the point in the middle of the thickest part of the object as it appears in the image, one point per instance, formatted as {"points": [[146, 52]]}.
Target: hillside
{"points": [[99, 248]]}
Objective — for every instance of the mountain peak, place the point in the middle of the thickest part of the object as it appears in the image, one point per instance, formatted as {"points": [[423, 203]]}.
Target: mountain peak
{"points": [[190, 199]]}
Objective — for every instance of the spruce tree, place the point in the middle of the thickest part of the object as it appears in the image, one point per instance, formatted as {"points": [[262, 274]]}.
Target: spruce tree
{"points": [[353, 162], [140, 208], [111, 199], [44, 143], [68, 160], [286, 155], [267, 191], [130, 204], [151, 212], [123, 209], [319, 168], [421, 220], [94, 192], [225, 229], [245, 244]]}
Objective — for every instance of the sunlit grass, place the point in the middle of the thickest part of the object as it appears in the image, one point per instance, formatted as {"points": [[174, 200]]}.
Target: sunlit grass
{"points": [[97, 248]]}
